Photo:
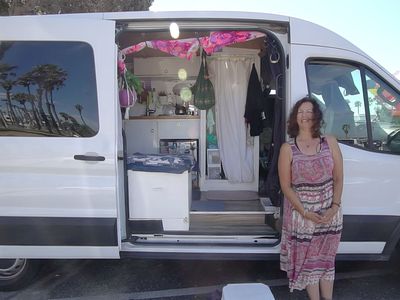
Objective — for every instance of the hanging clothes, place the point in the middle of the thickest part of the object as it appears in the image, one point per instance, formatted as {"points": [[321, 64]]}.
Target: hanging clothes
{"points": [[254, 113]]}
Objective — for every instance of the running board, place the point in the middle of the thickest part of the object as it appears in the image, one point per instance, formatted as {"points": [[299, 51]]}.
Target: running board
{"points": [[268, 210], [270, 240]]}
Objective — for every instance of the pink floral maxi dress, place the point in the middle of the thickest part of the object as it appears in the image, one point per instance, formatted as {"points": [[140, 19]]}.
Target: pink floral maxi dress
{"points": [[308, 249]]}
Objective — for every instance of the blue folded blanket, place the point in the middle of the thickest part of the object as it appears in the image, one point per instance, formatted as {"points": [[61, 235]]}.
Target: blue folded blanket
{"points": [[176, 164]]}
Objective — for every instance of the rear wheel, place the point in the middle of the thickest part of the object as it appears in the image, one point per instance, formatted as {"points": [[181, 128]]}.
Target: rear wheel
{"points": [[16, 273]]}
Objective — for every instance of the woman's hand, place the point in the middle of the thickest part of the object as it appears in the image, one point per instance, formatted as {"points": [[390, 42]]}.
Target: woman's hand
{"points": [[312, 216], [327, 216]]}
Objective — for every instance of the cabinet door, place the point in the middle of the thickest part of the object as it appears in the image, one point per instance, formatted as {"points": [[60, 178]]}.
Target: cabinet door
{"points": [[141, 136], [178, 129]]}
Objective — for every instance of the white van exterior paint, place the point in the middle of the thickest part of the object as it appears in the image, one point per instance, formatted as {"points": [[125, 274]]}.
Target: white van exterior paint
{"points": [[46, 170]]}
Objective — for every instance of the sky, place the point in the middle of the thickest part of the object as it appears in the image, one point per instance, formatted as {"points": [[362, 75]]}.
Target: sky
{"points": [[373, 26]]}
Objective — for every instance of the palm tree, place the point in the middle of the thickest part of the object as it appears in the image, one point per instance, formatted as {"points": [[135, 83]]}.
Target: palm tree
{"points": [[3, 119], [79, 108], [6, 71], [22, 98], [26, 80], [55, 79], [39, 76]]}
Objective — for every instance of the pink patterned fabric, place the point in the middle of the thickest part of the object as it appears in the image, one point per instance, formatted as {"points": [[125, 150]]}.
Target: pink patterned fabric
{"points": [[185, 48], [134, 48], [219, 39], [308, 250], [180, 48]]}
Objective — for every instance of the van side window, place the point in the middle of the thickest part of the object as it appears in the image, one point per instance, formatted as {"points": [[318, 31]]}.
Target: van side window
{"points": [[384, 107], [47, 89], [338, 89]]}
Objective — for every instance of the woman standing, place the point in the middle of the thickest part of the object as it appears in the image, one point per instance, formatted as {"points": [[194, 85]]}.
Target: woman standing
{"points": [[311, 178]]}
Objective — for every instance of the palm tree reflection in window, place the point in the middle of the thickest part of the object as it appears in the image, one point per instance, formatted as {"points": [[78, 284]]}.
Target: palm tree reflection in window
{"points": [[41, 117]]}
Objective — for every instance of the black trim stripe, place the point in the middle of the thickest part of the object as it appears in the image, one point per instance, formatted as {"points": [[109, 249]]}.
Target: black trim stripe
{"points": [[49, 231], [368, 228]]}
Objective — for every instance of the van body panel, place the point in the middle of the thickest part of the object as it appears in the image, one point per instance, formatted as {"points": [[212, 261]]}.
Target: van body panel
{"points": [[306, 33], [41, 177], [45, 188]]}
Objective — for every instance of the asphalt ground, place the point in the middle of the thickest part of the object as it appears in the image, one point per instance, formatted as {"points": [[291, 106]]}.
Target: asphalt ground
{"points": [[181, 279]]}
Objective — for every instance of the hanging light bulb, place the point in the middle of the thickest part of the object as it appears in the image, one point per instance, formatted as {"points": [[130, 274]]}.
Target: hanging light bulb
{"points": [[174, 30], [182, 74]]}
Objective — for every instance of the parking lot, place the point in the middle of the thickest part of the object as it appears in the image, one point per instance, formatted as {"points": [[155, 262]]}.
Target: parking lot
{"points": [[180, 279]]}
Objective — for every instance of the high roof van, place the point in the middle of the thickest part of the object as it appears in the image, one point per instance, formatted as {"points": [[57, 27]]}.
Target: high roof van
{"points": [[86, 173]]}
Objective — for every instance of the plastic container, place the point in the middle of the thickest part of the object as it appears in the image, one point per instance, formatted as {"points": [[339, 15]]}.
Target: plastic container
{"points": [[253, 291]]}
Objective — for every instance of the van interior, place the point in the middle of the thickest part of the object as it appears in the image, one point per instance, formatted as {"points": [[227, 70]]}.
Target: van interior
{"points": [[214, 200]]}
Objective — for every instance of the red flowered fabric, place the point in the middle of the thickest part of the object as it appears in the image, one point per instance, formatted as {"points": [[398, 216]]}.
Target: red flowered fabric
{"points": [[185, 48]]}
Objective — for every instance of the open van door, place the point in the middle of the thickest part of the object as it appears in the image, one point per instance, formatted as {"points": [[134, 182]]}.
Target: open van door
{"points": [[58, 195]]}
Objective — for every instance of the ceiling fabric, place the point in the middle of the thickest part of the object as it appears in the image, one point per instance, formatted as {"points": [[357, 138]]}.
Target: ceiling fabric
{"points": [[185, 48]]}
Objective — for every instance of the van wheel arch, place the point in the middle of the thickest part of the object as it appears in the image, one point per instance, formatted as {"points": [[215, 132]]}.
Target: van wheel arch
{"points": [[17, 273]]}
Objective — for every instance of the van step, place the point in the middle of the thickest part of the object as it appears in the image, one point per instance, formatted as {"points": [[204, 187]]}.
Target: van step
{"points": [[261, 206], [201, 239]]}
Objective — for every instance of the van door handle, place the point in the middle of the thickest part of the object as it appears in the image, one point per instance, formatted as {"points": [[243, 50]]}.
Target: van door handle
{"points": [[89, 157]]}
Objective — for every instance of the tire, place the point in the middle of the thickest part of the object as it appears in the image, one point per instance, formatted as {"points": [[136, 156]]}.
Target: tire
{"points": [[17, 273]]}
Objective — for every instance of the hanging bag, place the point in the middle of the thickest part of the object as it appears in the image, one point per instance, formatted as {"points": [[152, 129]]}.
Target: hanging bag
{"points": [[203, 90]]}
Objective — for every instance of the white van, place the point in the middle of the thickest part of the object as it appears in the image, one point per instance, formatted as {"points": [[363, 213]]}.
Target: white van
{"points": [[71, 185]]}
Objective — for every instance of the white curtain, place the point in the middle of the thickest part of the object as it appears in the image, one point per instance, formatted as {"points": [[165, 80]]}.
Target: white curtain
{"points": [[230, 76]]}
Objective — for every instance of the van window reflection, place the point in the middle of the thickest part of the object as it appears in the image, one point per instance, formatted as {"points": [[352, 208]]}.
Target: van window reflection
{"points": [[47, 89]]}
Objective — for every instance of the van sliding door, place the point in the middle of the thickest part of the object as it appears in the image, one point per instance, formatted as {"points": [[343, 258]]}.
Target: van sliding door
{"points": [[57, 131]]}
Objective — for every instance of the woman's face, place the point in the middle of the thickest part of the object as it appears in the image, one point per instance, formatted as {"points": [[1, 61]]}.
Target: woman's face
{"points": [[305, 115]]}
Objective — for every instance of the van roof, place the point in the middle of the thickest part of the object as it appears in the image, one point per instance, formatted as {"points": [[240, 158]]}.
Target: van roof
{"points": [[193, 15]]}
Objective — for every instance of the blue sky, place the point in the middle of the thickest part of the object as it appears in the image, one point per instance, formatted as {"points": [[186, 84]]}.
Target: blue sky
{"points": [[373, 26]]}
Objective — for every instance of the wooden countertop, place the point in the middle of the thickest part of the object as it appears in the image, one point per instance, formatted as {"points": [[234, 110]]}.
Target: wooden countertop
{"points": [[164, 117]]}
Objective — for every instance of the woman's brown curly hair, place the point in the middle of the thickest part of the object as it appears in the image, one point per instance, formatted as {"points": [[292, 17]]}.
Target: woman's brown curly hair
{"points": [[293, 127]]}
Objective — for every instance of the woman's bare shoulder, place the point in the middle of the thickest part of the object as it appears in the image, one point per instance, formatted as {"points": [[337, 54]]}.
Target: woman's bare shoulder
{"points": [[285, 147], [286, 150]]}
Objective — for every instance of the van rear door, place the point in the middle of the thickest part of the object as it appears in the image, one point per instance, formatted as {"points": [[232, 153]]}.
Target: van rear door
{"points": [[57, 131]]}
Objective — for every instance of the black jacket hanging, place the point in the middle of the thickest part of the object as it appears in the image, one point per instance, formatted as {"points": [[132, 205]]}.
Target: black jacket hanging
{"points": [[254, 108]]}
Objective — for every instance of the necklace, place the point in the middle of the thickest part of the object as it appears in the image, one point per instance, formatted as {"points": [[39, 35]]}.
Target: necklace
{"points": [[309, 144]]}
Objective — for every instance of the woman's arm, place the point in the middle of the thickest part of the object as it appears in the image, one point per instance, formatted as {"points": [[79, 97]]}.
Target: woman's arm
{"points": [[284, 169], [337, 178]]}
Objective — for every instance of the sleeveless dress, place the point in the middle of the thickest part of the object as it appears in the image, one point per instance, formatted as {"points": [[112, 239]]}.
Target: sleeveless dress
{"points": [[308, 250]]}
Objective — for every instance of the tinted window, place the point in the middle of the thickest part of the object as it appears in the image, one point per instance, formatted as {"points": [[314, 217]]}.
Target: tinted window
{"points": [[348, 113], [338, 89], [384, 107], [47, 89]]}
